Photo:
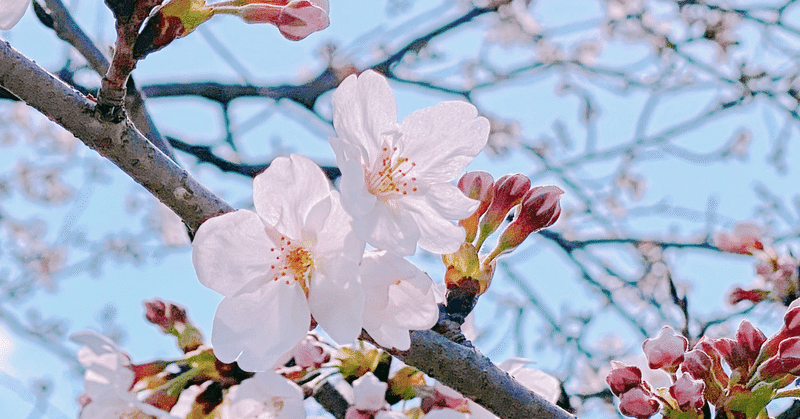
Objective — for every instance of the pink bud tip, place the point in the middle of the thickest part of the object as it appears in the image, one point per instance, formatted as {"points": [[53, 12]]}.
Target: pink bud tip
{"points": [[478, 185], [508, 191]]}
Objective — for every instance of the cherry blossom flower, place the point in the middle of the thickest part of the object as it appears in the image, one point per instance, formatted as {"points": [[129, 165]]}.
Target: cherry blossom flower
{"points": [[396, 176], [108, 380], [293, 258], [265, 395], [401, 298], [11, 12]]}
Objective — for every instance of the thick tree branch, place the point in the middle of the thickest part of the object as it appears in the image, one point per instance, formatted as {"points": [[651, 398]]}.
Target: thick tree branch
{"points": [[68, 30], [119, 142], [476, 376]]}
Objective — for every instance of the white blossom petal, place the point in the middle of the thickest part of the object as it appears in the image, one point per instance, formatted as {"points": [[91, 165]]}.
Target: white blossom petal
{"points": [[107, 369], [337, 305], [539, 382], [265, 395], [450, 202], [285, 211], [401, 298], [11, 11], [443, 139], [437, 234], [230, 251], [256, 328], [364, 112], [395, 230]]}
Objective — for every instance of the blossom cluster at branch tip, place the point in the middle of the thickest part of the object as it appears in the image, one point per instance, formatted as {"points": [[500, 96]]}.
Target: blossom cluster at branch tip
{"points": [[537, 208], [757, 369]]}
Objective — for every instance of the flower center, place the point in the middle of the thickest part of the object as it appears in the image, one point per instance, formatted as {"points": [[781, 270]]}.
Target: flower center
{"points": [[389, 175], [292, 262]]}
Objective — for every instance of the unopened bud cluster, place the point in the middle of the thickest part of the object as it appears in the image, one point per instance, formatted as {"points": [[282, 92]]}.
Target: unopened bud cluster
{"points": [[737, 377], [536, 208]]}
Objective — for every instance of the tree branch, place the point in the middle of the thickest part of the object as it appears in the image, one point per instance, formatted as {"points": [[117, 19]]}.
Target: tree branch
{"points": [[476, 376], [119, 142], [68, 30]]}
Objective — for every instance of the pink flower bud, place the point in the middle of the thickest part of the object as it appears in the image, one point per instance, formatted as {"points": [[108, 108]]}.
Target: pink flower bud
{"points": [[508, 191], [639, 403], [164, 314], [296, 19], [623, 377], [479, 186], [730, 350], [707, 346], [696, 363], [786, 361], [750, 340], [791, 320], [309, 353], [666, 350], [688, 392], [743, 239], [789, 354], [540, 208]]}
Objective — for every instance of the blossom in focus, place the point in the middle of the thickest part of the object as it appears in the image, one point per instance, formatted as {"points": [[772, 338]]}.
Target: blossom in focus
{"points": [[401, 298], [396, 176], [666, 350], [293, 258], [11, 12], [296, 19], [265, 395], [108, 380]]}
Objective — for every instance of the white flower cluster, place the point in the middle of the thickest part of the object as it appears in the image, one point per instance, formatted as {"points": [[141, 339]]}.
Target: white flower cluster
{"points": [[300, 258]]}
